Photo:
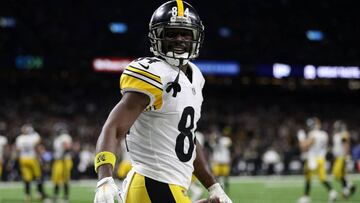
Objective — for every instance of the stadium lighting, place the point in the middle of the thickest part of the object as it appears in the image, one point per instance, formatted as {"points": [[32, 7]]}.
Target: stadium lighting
{"points": [[7, 22], [224, 32], [118, 27], [281, 70], [315, 35], [110, 64], [310, 72], [208, 67], [29, 62]]}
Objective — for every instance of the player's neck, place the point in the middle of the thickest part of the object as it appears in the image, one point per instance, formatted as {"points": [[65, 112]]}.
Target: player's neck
{"points": [[184, 68]]}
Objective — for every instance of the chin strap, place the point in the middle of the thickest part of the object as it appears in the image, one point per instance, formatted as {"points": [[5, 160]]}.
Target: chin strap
{"points": [[175, 86]]}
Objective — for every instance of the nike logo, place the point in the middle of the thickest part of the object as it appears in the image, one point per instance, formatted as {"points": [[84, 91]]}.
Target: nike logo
{"points": [[146, 67]]}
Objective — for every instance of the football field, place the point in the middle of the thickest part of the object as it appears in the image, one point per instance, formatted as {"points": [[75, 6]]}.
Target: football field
{"points": [[279, 189]]}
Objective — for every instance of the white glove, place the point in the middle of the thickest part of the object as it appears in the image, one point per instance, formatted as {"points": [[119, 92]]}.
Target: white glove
{"points": [[107, 191], [216, 191]]}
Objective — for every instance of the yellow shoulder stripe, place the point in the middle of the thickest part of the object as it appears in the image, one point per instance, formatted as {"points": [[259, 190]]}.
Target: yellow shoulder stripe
{"points": [[133, 83], [137, 79], [180, 6], [144, 73]]}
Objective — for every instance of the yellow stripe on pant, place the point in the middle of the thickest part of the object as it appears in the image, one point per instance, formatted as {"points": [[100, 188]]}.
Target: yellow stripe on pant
{"points": [[138, 192]]}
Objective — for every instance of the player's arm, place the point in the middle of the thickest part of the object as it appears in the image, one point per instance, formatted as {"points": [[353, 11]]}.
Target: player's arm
{"points": [[39, 148], [120, 119], [346, 144], [306, 144], [201, 168], [202, 172]]}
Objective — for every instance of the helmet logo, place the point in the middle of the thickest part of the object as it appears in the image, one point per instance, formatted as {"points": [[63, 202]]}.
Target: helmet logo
{"points": [[179, 13], [193, 90]]}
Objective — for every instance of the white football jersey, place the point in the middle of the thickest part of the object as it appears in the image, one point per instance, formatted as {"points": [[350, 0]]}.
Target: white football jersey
{"points": [[161, 141], [3, 142], [221, 153], [125, 156], [338, 148], [319, 148], [26, 144], [59, 146], [200, 137]]}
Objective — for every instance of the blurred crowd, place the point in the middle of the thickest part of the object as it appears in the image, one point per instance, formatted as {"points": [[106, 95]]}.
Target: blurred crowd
{"points": [[261, 122]]}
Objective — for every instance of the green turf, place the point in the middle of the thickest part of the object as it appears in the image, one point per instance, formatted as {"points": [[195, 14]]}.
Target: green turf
{"points": [[242, 190]]}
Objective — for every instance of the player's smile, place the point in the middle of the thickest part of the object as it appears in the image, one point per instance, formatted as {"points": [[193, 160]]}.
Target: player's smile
{"points": [[178, 40], [180, 48]]}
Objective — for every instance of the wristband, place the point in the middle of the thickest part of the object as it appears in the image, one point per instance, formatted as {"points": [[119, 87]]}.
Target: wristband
{"points": [[216, 187], [104, 157]]}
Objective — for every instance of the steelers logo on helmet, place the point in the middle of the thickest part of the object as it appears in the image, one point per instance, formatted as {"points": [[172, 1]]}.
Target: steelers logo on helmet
{"points": [[176, 32]]}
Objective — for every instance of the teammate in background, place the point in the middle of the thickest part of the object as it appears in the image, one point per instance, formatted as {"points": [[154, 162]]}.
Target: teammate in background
{"points": [[341, 152], [160, 107], [62, 165], [314, 145], [3, 142], [196, 190], [221, 159], [125, 164], [27, 144]]}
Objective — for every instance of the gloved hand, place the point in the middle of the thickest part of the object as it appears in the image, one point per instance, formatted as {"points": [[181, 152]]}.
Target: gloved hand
{"points": [[107, 191], [216, 191]]}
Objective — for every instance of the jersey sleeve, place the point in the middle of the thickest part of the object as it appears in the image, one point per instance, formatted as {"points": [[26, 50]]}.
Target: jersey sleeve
{"points": [[140, 78]]}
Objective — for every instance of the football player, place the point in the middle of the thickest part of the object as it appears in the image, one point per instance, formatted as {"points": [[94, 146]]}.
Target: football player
{"points": [[314, 145], [221, 158], [341, 152], [195, 189], [3, 142], [160, 107], [62, 164], [27, 144]]}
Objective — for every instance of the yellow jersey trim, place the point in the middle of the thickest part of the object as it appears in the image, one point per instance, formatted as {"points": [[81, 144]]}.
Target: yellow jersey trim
{"points": [[130, 82], [144, 73]]}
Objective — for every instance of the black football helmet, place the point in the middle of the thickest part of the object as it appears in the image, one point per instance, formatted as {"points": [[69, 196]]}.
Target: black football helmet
{"points": [[313, 123], [339, 126], [175, 14]]}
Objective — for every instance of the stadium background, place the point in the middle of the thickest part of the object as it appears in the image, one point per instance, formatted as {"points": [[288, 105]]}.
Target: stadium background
{"points": [[50, 74]]}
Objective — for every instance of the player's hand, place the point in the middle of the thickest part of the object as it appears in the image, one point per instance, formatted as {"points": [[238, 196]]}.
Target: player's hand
{"points": [[216, 191], [107, 191]]}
